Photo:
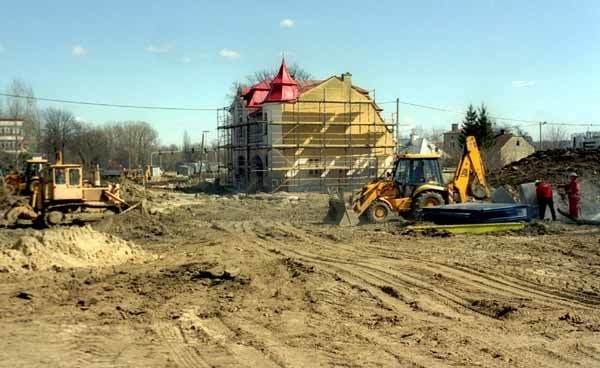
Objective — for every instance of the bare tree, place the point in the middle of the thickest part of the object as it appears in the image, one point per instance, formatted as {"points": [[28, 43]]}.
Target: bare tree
{"points": [[134, 142], [555, 134], [91, 145], [59, 130]]}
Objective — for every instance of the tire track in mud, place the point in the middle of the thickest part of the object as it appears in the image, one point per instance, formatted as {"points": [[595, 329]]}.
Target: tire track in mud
{"points": [[416, 358], [351, 268], [359, 271], [401, 303], [574, 299], [216, 346], [183, 355], [507, 285]]}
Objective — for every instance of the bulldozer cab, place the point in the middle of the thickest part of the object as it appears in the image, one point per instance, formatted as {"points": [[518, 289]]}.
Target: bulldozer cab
{"points": [[66, 182], [414, 170]]}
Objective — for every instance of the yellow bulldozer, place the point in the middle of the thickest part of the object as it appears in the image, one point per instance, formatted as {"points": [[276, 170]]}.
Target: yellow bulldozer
{"points": [[415, 182], [59, 194]]}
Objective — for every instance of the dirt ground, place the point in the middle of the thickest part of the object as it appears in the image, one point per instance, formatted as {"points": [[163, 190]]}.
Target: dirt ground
{"points": [[207, 281]]}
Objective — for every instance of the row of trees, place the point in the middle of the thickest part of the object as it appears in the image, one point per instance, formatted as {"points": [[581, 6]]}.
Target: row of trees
{"points": [[50, 130], [478, 123]]}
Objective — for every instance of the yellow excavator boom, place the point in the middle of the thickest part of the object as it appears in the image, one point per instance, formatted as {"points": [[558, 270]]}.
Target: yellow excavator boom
{"points": [[470, 173]]}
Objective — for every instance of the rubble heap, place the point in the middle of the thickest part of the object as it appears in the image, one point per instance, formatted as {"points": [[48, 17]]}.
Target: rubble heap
{"points": [[552, 166]]}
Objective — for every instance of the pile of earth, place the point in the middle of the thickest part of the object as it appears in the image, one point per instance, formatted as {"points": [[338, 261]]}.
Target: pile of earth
{"points": [[136, 226], [552, 166], [133, 192], [68, 247]]}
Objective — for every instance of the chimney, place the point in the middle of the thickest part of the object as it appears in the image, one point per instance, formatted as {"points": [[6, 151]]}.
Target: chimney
{"points": [[347, 79], [454, 127]]}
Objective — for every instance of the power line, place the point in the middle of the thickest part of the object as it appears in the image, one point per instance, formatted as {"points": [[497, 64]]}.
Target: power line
{"points": [[172, 108], [109, 105], [532, 122]]}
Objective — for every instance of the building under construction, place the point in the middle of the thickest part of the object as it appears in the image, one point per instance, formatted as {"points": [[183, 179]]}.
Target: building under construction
{"points": [[292, 135]]}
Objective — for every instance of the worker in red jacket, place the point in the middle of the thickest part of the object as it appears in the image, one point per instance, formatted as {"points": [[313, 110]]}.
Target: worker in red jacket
{"points": [[572, 188], [543, 193]]}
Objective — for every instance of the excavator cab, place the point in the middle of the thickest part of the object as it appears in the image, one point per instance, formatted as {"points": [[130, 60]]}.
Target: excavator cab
{"points": [[414, 171]]}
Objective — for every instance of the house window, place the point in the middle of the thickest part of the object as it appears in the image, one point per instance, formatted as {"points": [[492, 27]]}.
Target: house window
{"points": [[518, 142]]}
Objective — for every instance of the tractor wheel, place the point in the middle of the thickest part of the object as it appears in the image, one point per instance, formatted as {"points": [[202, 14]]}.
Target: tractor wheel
{"points": [[378, 212], [426, 199], [54, 218], [429, 199]]}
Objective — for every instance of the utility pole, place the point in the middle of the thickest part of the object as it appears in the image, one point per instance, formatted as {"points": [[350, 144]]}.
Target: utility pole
{"points": [[397, 123], [202, 155], [541, 123]]}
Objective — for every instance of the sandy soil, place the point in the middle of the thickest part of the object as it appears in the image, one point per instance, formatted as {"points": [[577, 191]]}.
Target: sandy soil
{"points": [[261, 282]]}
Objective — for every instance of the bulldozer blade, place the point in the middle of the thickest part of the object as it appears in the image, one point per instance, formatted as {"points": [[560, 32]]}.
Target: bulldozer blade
{"points": [[18, 212], [339, 212]]}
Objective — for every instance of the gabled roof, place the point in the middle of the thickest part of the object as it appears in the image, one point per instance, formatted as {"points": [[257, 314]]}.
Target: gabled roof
{"points": [[502, 139]]}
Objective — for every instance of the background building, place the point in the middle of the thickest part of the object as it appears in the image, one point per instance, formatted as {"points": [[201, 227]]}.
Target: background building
{"points": [[589, 140], [508, 148], [11, 135], [283, 134]]}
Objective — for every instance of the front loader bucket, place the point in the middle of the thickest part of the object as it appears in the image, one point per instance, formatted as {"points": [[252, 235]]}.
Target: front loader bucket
{"points": [[339, 212]]}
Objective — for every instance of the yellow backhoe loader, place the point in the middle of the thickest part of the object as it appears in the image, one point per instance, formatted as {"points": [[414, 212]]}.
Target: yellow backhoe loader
{"points": [[20, 183], [416, 182], [60, 195]]}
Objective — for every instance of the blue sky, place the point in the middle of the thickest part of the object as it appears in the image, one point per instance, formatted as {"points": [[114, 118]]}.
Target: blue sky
{"points": [[533, 60]]}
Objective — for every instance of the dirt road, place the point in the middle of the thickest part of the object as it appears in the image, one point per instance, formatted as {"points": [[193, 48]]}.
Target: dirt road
{"points": [[260, 282]]}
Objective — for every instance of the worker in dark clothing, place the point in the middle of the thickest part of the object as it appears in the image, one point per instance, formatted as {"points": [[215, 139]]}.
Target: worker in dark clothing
{"points": [[572, 188], [543, 193]]}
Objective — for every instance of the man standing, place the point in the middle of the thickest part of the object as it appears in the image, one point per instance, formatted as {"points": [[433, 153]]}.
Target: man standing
{"points": [[572, 188], [543, 193]]}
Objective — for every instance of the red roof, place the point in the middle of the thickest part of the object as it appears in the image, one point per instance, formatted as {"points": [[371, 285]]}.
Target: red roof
{"points": [[283, 87], [257, 97]]}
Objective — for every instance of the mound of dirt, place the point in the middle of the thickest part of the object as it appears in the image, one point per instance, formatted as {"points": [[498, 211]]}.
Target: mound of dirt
{"points": [[66, 248], [132, 192], [133, 226], [552, 166]]}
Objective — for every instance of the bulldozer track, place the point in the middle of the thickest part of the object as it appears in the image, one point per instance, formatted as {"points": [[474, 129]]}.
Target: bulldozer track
{"points": [[210, 342]]}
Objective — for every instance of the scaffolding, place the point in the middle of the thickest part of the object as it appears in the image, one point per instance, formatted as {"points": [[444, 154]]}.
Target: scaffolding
{"points": [[306, 146]]}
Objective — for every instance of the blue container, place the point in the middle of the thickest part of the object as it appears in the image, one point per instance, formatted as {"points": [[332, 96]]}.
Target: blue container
{"points": [[476, 213]]}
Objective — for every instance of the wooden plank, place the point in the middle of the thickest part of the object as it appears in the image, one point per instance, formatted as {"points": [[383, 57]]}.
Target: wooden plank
{"points": [[472, 228]]}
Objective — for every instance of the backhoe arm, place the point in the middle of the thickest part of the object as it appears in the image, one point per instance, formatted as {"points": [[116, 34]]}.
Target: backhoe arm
{"points": [[470, 166]]}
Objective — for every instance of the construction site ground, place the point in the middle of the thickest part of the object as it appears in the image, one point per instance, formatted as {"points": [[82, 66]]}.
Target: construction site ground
{"points": [[259, 281]]}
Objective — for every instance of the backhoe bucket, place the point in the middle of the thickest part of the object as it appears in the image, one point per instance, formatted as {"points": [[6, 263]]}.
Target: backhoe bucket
{"points": [[340, 212]]}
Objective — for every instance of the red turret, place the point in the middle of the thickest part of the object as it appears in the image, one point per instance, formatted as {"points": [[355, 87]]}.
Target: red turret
{"points": [[283, 87]]}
